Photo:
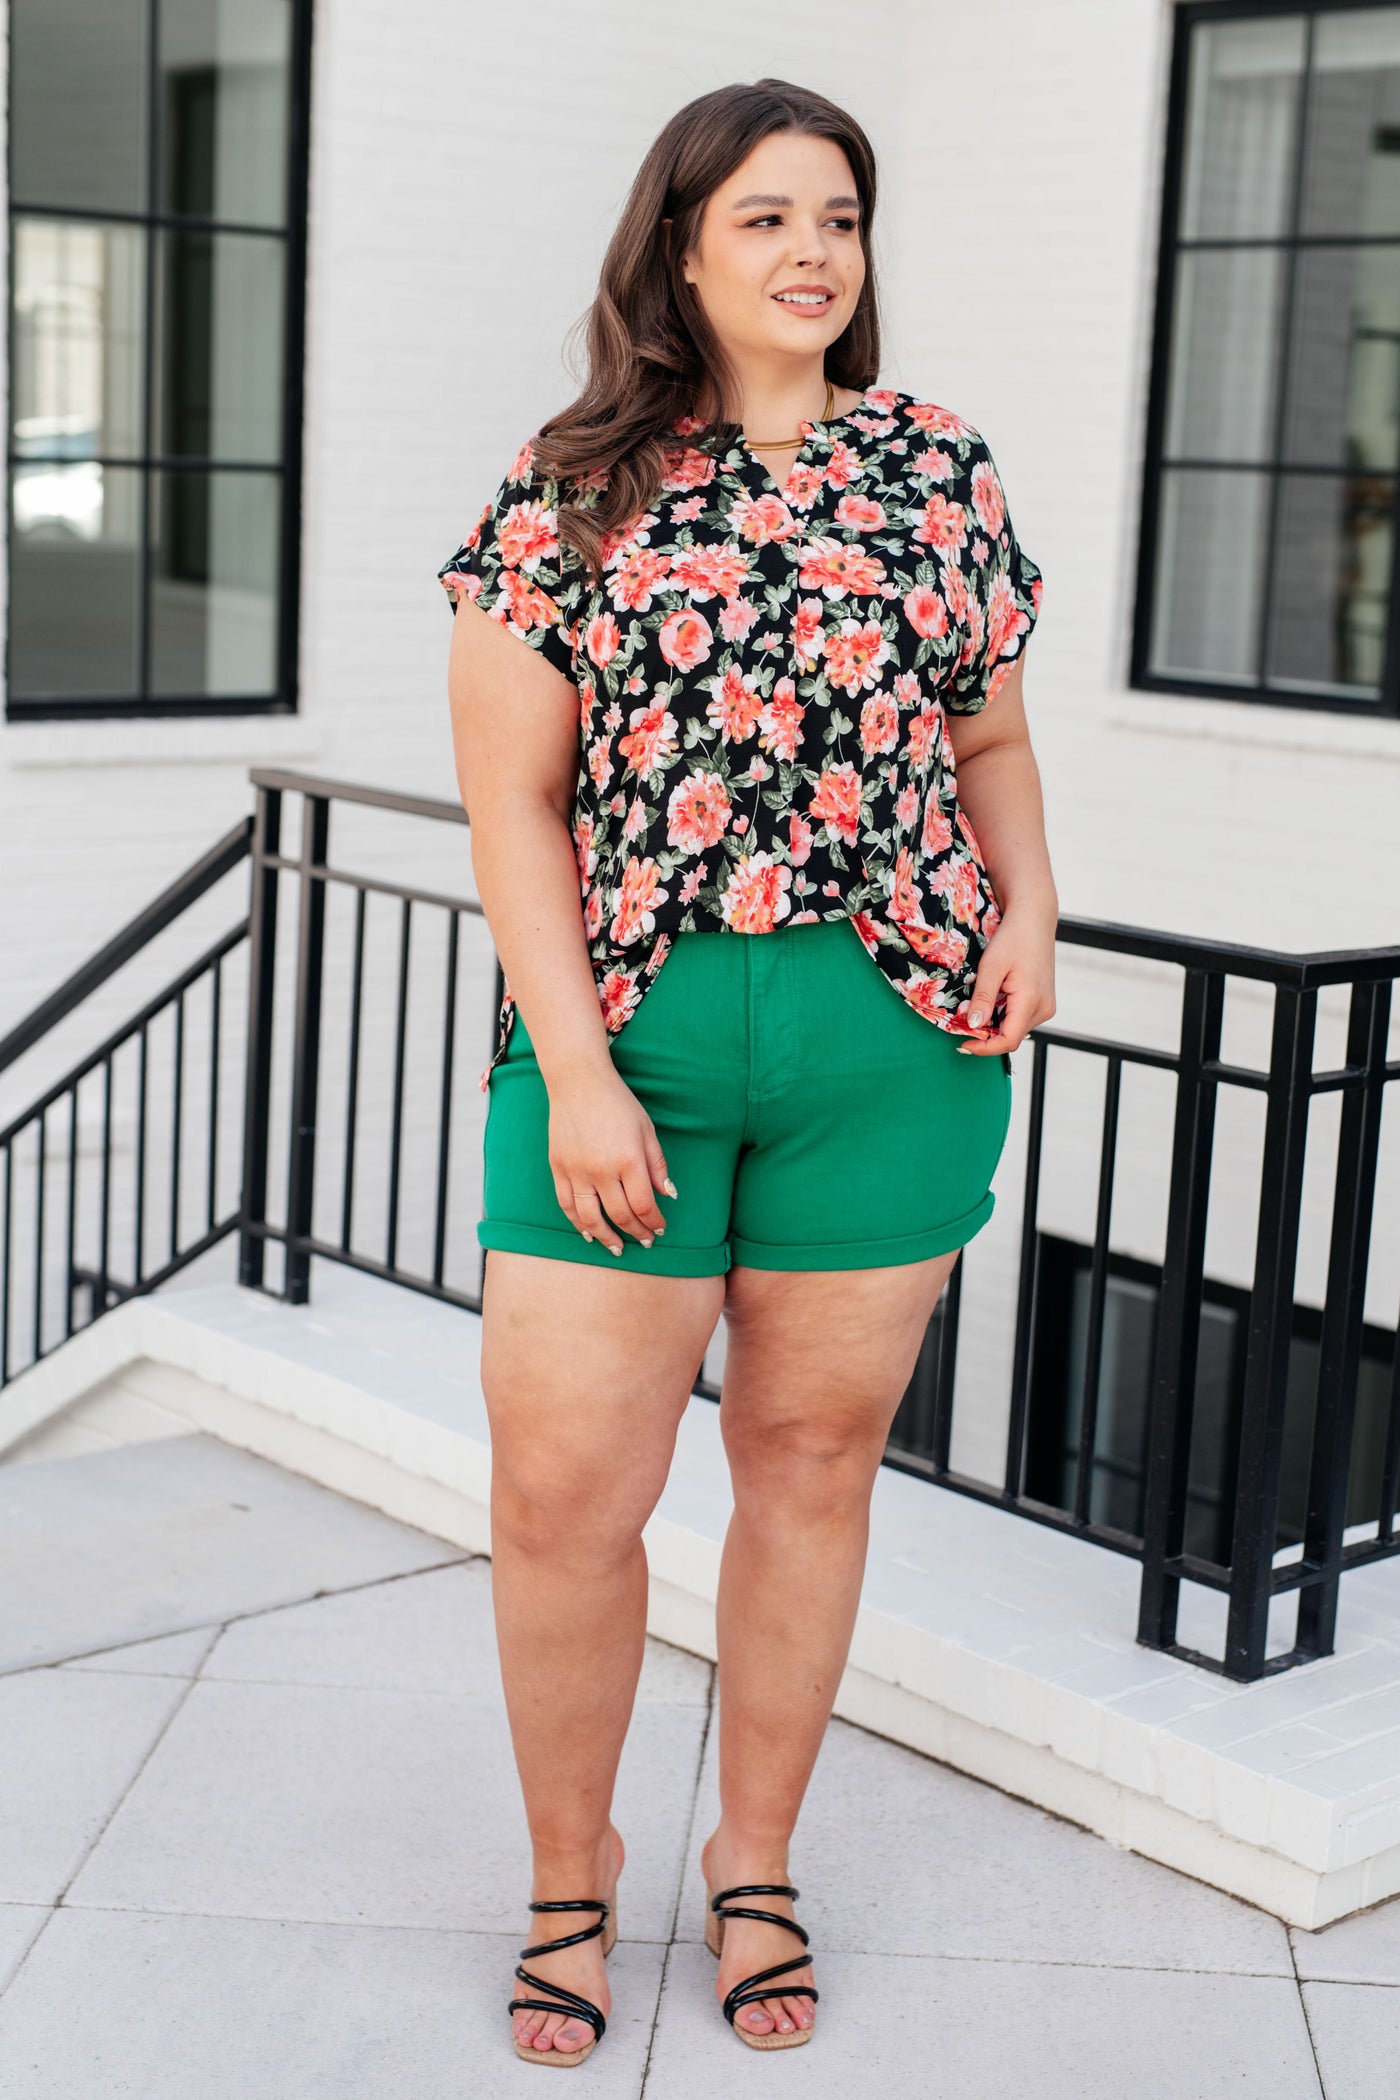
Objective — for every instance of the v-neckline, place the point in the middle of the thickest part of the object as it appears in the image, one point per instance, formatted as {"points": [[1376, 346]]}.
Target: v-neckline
{"points": [[740, 457]]}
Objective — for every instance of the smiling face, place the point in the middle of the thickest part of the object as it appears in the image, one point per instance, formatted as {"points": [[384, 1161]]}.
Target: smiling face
{"points": [[779, 263]]}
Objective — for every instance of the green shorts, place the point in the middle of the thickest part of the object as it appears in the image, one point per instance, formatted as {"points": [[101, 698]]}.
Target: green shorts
{"points": [[809, 1118]]}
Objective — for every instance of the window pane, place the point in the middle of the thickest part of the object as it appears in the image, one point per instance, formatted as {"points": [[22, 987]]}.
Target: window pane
{"points": [[1344, 372], [1209, 566], [1241, 127], [78, 109], [1125, 1380], [224, 69], [1351, 176], [75, 534], [1331, 588], [1364, 1493], [1226, 335], [216, 543], [1214, 1426], [219, 372], [79, 314]]}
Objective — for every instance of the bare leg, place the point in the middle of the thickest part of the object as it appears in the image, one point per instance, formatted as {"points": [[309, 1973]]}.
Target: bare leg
{"points": [[815, 1369], [586, 1376]]}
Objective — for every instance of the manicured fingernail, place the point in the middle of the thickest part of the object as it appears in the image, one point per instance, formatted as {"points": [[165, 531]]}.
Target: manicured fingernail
{"points": [[660, 1229], [614, 1250], [977, 1020], [647, 1243], [669, 1186]]}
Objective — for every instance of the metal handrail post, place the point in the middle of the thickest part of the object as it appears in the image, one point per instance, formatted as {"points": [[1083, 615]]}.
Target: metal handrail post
{"points": [[1344, 1314], [1173, 1397], [257, 1093], [1269, 1337], [306, 1046]]}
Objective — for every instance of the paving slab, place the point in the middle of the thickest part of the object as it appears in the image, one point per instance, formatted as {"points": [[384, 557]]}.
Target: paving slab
{"points": [[70, 1747], [896, 1852], [1364, 1948], [20, 1926], [337, 1805], [997, 2030], [249, 2009], [428, 1633], [1356, 2032], [163, 1536], [168, 1655], [299, 1861]]}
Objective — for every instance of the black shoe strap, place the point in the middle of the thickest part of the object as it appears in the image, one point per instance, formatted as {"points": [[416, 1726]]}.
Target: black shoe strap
{"points": [[744, 1994], [569, 1939], [755, 1888], [768, 1917], [584, 2007]]}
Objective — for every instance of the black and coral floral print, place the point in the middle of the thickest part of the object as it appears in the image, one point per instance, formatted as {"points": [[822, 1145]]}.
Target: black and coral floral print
{"points": [[763, 677]]}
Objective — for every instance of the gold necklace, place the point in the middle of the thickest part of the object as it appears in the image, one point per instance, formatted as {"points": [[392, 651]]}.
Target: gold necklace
{"points": [[781, 444]]}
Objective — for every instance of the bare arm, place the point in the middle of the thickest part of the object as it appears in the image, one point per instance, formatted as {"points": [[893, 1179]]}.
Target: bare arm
{"points": [[515, 734], [999, 787]]}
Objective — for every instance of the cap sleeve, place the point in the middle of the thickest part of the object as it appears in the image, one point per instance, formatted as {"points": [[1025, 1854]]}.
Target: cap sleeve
{"points": [[512, 565], [1001, 595]]}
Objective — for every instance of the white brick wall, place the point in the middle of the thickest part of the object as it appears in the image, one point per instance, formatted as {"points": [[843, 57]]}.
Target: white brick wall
{"points": [[467, 166]]}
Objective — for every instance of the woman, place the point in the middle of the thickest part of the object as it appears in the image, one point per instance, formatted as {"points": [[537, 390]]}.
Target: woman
{"points": [[753, 1056]]}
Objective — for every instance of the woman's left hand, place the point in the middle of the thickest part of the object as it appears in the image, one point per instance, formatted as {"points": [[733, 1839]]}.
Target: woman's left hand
{"points": [[1018, 970]]}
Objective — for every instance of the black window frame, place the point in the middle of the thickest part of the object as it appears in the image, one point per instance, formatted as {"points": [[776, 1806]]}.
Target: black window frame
{"points": [[1189, 15], [143, 706], [1053, 1403]]}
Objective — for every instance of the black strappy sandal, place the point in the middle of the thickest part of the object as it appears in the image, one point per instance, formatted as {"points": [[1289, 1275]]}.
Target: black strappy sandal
{"points": [[575, 2005], [742, 1993]]}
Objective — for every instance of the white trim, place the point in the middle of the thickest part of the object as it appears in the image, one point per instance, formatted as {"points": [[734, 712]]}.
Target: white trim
{"points": [[1318, 732], [161, 740]]}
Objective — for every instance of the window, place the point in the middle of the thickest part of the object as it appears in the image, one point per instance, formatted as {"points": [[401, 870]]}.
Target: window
{"points": [[157, 175], [1059, 1356], [1268, 554]]}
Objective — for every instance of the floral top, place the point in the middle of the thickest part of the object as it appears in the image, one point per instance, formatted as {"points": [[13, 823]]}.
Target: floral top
{"points": [[762, 678]]}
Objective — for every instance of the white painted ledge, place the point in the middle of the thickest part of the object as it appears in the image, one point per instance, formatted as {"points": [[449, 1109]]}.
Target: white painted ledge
{"points": [[161, 740], [1311, 732], [995, 1644]]}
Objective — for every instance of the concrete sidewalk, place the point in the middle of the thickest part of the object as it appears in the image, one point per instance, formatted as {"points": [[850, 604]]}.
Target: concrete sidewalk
{"points": [[263, 1838]]}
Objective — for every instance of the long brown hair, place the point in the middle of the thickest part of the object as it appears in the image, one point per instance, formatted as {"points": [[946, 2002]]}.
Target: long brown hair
{"points": [[652, 356]]}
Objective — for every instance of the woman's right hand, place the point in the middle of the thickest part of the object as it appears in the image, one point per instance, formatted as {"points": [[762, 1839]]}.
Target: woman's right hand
{"points": [[606, 1159]]}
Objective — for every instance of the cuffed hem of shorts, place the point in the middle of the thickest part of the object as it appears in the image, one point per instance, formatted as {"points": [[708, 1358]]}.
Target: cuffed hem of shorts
{"points": [[866, 1254], [656, 1260]]}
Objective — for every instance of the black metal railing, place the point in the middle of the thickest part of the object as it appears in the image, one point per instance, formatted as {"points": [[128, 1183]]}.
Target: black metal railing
{"points": [[1253, 1572], [75, 1240], [361, 1124], [316, 880]]}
